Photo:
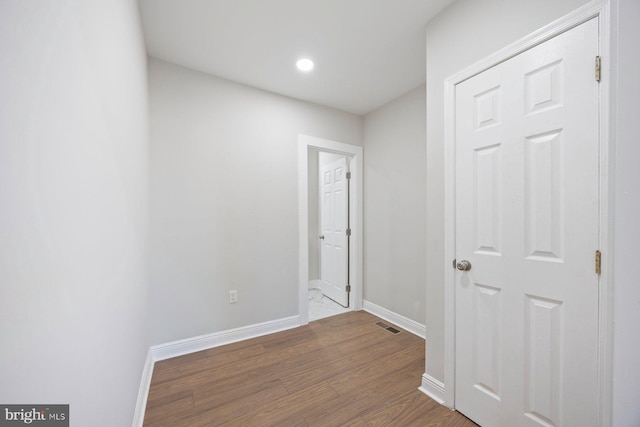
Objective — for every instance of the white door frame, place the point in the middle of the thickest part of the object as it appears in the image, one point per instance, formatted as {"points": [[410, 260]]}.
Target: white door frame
{"points": [[595, 9], [305, 143]]}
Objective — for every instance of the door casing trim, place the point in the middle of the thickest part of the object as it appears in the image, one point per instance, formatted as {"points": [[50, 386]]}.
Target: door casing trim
{"points": [[596, 9], [306, 143]]}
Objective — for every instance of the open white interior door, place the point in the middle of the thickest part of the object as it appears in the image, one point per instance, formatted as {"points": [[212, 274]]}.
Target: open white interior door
{"points": [[527, 203], [334, 253]]}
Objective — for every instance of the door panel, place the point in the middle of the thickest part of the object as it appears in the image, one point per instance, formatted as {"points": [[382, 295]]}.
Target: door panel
{"points": [[487, 205], [543, 204], [543, 360], [333, 224], [487, 342], [527, 219]]}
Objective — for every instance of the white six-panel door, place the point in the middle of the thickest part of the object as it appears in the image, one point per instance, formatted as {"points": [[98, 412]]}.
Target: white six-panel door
{"points": [[527, 221], [333, 223]]}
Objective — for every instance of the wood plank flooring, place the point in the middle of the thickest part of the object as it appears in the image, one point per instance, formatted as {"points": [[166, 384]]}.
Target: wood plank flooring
{"points": [[339, 371]]}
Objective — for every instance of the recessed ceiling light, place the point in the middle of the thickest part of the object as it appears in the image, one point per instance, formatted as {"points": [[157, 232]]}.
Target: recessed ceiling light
{"points": [[304, 64]]}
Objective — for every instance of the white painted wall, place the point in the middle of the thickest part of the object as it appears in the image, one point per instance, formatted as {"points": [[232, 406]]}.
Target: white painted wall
{"points": [[626, 105], [395, 206], [224, 200], [73, 207], [462, 34]]}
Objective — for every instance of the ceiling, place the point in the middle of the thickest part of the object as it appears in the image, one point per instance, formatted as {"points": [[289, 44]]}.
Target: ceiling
{"points": [[366, 52]]}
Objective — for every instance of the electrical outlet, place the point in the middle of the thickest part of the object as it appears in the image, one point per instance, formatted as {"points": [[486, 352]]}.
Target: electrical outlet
{"points": [[233, 297]]}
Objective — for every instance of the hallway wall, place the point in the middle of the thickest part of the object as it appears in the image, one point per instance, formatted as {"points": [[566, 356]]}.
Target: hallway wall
{"points": [[395, 206], [626, 108], [224, 200], [73, 207]]}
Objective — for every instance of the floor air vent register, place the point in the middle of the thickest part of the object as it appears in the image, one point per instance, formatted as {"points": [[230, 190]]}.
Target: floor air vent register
{"points": [[391, 329]]}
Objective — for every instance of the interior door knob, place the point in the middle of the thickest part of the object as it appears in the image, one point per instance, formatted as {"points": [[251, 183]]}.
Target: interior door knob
{"points": [[321, 237], [463, 265]]}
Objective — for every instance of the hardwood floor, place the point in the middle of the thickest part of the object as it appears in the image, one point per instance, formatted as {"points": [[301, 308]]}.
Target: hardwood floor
{"points": [[339, 371]]}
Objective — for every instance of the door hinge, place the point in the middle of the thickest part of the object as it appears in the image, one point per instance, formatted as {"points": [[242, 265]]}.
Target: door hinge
{"points": [[348, 232], [598, 66], [348, 288], [348, 175], [598, 262]]}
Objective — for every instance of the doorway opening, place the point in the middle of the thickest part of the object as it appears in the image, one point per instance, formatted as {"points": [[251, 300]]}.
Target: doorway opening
{"points": [[329, 179], [330, 258]]}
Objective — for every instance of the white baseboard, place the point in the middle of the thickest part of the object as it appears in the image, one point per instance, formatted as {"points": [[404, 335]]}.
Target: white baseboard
{"points": [[405, 323], [432, 388], [143, 391], [216, 339]]}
